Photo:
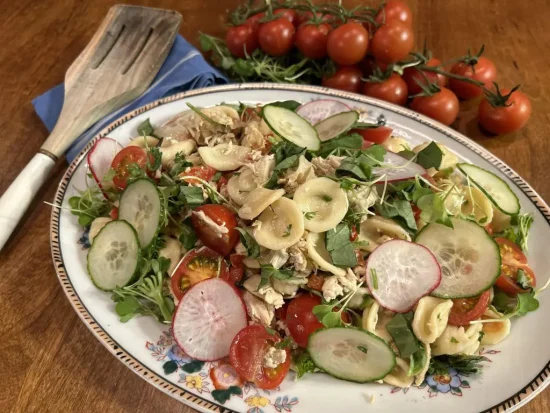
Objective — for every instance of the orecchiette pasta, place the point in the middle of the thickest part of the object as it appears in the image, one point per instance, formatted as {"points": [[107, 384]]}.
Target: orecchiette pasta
{"points": [[419, 378], [396, 144], [376, 230], [280, 226], [375, 319], [430, 318], [169, 152], [494, 333], [144, 141], [318, 253], [258, 200], [224, 157], [398, 377], [458, 340]]}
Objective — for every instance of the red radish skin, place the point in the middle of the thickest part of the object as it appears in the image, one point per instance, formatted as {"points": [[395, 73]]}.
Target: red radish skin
{"points": [[405, 272], [318, 110], [208, 318], [398, 174], [101, 156]]}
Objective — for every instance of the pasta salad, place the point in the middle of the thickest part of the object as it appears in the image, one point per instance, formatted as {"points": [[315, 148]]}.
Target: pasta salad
{"points": [[298, 237]]}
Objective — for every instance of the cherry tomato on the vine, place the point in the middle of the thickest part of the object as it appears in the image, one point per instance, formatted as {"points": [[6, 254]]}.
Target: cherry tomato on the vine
{"points": [[484, 71], [254, 20], [393, 90], [414, 77], [395, 10], [442, 106], [241, 38], [308, 16], [345, 78], [289, 14], [311, 40], [505, 119], [392, 42], [348, 43], [277, 37]]}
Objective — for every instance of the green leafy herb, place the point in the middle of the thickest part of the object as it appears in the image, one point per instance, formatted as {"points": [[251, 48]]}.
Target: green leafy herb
{"points": [[430, 156], [374, 278], [90, 205], [417, 361], [353, 141], [304, 364], [310, 215], [400, 210], [270, 331], [154, 158], [400, 330], [433, 209], [462, 364], [268, 271], [523, 280], [340, 247], [192, 196], [454, 340], [325, 312], [146, 129], [407, 154], [248, 241], [147, 296], [285, 343], [287, 231], [361, 163], [180, 165], [519, 305], [287, 104], [518, 232], [188, 237]]}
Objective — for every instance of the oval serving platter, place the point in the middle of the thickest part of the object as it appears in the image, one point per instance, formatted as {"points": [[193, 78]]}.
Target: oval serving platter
{"points": [[516, 371]]}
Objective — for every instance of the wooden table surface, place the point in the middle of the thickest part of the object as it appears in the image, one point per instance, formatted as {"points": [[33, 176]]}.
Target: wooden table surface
{"points": [[49, 361]]}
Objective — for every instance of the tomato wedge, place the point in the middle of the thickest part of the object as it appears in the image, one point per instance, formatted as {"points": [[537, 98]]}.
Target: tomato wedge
{"points": [[236, 271], [300, 318], [247, 354], [215, 226], [375, 135], [204, 172], [513, 260], [465, 310], [131, 155], [197, 265]]}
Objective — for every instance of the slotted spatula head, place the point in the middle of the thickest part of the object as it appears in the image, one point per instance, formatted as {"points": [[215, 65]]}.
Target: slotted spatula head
{"points": [[116, 67]]}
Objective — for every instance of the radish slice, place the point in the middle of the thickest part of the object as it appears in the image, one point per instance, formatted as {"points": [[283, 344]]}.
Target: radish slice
{"points": [[398, 168], [399, 273], [101, 156], [208, 318], [318, 110]]}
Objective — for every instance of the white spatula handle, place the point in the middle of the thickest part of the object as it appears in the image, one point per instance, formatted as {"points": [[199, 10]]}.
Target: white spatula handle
{"points": [[19, 195]]}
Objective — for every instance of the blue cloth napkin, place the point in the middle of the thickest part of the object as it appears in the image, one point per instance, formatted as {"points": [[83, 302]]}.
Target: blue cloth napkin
{"points": [[184, 69]]}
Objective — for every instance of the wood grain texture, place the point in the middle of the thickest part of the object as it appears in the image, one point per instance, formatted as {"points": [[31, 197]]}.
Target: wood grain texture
{"points": [[49, 361]]}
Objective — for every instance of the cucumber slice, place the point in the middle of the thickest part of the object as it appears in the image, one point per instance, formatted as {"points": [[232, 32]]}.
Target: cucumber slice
{"points": [[351, 354], [468, 256], [141, 206], [336, 125], [114, 256], [494, 187], [292, 127]]}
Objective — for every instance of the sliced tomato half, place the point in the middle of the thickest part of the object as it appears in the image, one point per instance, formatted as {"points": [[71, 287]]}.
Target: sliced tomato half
{"points": [[217, 231], [131, 155], [465, 310], [513, 260]]}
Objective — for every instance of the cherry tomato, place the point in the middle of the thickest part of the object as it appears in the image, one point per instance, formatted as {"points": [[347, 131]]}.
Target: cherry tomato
{"points": [[416, 211], [414, 77], [197, 265], [311, 40], [288, 14], [484, 71], [247, 353], [126, 157], [280, 313], [392, 42], [465, 310], [394, 10], [241, 38], [505, 119], [393, 90], [254, 20], [513, 259], [209, 235], [368, 65], [442, 106], [315, 282], [236, 271], [489, 229], [204, 172], [222, 183], [114, 213], [376, 135], [277, 37], [348, 43], [345, 78], [300, 318], [353, 233]]}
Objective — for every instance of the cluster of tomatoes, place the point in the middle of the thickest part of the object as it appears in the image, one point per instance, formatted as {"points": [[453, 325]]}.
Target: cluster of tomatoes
{"points": [[372, 56]]}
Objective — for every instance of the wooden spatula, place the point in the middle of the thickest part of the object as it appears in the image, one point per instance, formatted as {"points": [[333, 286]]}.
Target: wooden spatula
{"points": [[116, 67]]}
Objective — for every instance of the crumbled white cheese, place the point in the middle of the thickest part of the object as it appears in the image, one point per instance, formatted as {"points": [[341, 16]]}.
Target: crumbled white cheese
{"points": [[277, 258], [298, 258], [258, 311], [220, 230], [326, 166], [240, 249], [266, 293], [331, 288], [274, 357], [294, 177]]}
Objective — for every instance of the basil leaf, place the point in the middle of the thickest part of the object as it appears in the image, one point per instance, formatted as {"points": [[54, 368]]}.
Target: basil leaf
{"points": [[287, 104], [353, 141], [430, 156], [304, 364], [145, 128], [344, 256], [337, 237], [405, 340], [418, 361], [188, 237], [526, 303], [462, 364], [398, 208], [248, 241], [192, 196], [268, 271]]}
